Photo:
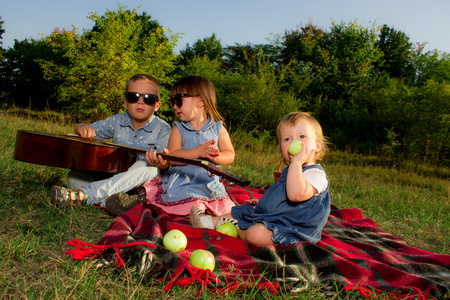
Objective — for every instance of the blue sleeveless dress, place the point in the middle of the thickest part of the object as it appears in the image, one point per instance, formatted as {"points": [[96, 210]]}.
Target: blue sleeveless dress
{"points": [[187, 183]]}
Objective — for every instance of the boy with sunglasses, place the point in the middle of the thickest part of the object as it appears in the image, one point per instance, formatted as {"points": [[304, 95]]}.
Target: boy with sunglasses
{"points": [[138, 127]]}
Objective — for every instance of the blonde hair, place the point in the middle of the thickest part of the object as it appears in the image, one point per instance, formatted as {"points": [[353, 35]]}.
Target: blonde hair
{"points": [[197, 85], [147, 78], [295, 117]]}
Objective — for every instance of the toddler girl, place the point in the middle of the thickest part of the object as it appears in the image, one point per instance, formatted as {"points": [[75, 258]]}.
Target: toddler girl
{"points": [[296, 207]]}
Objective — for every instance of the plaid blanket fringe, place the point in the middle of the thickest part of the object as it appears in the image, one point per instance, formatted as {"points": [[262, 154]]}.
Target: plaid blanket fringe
{"points": [[353, 255], [85, 251]]}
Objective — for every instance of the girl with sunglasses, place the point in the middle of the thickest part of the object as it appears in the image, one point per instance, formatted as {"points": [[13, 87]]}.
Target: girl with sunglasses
{"points": [[198, 133], [138, 127]]}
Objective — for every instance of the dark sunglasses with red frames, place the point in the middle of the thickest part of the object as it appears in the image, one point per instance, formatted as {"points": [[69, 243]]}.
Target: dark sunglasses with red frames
{"points": [[149, 99], [177, 99]]}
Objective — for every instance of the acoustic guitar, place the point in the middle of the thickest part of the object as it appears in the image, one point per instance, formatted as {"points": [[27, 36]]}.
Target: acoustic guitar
{"points": [[74, 152]]}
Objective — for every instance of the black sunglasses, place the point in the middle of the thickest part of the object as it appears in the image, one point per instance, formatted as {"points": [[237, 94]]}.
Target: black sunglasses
{"points": [[149, 99], [177, 99]]}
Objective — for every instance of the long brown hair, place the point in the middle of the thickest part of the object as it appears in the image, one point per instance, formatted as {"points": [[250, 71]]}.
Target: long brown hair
{"points": [[201, 86]]}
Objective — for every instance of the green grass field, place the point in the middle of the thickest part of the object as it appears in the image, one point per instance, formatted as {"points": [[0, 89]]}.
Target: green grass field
{"points": [[409, 200]]}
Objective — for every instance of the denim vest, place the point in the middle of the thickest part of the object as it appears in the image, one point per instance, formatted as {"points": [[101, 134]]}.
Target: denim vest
{"points": [[291, 222]]}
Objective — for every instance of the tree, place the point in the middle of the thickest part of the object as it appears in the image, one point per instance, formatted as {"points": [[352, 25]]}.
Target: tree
{"points": [[336, 61], [432, 65], [353, 48], [397, 54], [239, 56], [2, 31], [421, 121], [209, 47], [120, 45], [299, 44], [21, 78]]}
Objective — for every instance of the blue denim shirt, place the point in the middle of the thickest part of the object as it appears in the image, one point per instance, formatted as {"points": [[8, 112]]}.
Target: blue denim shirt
{"points": [[153, 135]]}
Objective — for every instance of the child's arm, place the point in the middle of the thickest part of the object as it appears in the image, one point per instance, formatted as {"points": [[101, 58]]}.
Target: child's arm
{"points": [[297, 188], [226, 152], [86, 131], [175, 146]]}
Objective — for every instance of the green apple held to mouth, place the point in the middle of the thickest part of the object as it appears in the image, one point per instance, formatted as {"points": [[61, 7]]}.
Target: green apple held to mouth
{"points": [[175, 240], [295, 147], [203, 259]]}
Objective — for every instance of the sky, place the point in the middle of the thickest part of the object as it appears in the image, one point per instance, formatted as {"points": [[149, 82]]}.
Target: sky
{"points": [[234, 21]]}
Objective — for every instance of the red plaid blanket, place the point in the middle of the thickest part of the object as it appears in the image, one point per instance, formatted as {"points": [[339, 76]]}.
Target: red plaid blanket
{"points": [[353, 254]]}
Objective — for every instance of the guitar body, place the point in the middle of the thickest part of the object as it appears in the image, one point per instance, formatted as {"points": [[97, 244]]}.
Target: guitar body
{"points": [[70, 152]]}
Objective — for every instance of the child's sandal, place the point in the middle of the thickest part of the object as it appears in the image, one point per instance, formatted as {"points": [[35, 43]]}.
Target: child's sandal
{"points": [[62, 196], [223, 220], [199, 219]]}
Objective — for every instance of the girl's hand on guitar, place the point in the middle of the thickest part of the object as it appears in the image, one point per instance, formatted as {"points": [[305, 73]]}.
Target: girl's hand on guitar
{"points": [[156, 160], [85, 131], [208, 150], [211, 149]]}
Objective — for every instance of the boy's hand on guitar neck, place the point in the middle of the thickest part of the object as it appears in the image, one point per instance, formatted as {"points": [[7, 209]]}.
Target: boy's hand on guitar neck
{"points": [[85, 131]]}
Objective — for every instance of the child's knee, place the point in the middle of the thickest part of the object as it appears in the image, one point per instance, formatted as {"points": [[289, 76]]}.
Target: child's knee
{"points": [[144, 173], [259, 235], [152, 172]]}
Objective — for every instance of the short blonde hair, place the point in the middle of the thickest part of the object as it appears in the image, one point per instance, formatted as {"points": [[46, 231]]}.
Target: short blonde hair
{"points": [[295, 117], [147, 78]]}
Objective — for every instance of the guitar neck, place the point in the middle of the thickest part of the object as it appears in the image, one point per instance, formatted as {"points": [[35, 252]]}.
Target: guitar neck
{"points": [[191, 161], [204, 163]]}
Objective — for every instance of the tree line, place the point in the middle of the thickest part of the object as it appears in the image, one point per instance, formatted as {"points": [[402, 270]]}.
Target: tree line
{"points": [[371, 88]]}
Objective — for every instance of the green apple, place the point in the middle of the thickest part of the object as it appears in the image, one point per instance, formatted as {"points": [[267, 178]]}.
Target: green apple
{"points": [[227, 228], [175, 240], [295, 147], [203, 259]]}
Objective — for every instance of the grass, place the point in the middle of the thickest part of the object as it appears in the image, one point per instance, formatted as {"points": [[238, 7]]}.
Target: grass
{"points": [[409, 200]]}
